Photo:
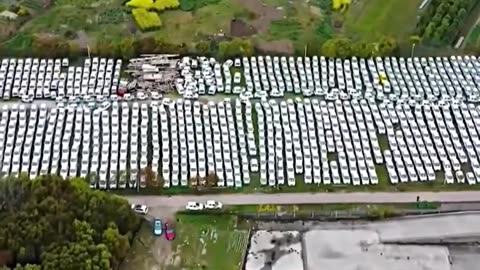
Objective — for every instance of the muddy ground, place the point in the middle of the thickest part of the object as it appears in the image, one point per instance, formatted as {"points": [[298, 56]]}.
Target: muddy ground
{"points": [[152, 253]]}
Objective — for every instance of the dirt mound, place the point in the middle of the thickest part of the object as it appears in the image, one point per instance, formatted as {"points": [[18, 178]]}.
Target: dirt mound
{"points": [[239, 28]]}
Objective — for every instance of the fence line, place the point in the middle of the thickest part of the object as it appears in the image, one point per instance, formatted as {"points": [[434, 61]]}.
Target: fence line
{"points": [[336, 215], [245, 250]]}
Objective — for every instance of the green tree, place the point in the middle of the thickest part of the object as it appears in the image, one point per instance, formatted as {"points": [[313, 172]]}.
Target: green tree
{"points": [[386, 46], [441, 9], [462, 14], [27, 267], [62, 224], [116, 243], [329, 48], [429, 31], [362, 49], [344, 48]]}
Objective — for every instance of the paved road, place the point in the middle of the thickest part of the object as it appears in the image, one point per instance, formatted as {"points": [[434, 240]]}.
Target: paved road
{"points": [[180, 201]]}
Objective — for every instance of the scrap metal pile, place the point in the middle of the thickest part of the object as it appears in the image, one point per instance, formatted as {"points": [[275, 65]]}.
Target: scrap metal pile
{"points": [[153, 73]]}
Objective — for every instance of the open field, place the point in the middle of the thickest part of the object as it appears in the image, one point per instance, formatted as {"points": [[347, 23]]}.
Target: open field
{"points": [[185, 27], [202, 242], [209, 242], [367, 19]]}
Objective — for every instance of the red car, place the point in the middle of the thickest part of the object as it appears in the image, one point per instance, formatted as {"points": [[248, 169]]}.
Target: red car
{"points": [[169, 231]]}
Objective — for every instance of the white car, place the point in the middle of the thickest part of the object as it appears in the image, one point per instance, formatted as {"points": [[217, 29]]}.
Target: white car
{"points": [[156, 96], [140, 208], [213, 205], [195, 206], [141, 96], [27, 99]]}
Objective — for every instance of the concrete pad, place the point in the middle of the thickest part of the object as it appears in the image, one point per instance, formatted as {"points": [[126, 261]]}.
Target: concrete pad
{"points": [[275, 250], [429, 228], [362, 250]]}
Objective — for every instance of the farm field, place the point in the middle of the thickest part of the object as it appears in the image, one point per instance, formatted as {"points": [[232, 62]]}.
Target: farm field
{"points": [[279, 26], [68, 17]]}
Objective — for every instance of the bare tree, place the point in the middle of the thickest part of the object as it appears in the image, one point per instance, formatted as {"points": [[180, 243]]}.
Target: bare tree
{"points": [[212, 180], [150, 177]]}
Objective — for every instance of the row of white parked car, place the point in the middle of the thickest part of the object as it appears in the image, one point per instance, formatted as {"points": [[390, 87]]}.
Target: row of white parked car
{"points": [[33, 78], [115, 145], [432, 138], [297, 137], [326, 142], [388, 78], [198, 140]]}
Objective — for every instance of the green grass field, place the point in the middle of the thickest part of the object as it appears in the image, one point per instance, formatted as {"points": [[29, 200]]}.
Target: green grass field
{"points": [[368, 19], [187, 27], [473, 37], [59, 19], [209, 242], [309, 208]]}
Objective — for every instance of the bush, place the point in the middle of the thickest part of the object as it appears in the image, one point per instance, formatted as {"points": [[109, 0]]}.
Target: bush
{"points": [[324, 30], [381, 212], [146, 20], [158, 5], [235, 48], [340, 4], [112, 16], [345, 48], [189, 5]]}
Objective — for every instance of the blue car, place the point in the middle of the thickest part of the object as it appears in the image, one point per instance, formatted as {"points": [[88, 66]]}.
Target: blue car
{"points": [[157, 227]]}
